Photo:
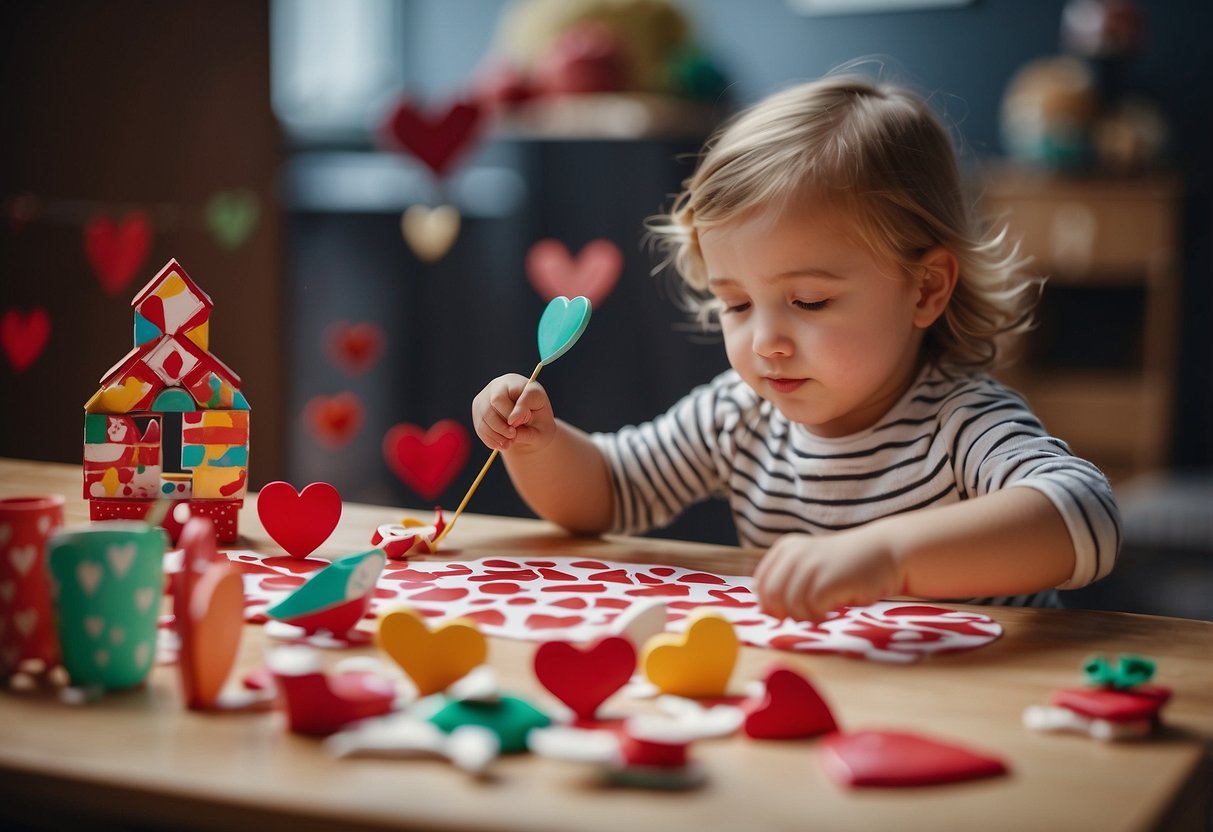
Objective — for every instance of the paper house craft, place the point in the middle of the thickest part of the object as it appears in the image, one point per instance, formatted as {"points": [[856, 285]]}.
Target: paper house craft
{"points": [[169, 421]]}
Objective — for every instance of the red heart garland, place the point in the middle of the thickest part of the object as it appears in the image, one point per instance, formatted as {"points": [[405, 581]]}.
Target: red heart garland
{"points": [[553, 272], [427, 461], [437, 143], [791, 708], [299, 521], [355, 347], [892, 758], [117, 252], [584, 679], [334, 420], [24, 336]]}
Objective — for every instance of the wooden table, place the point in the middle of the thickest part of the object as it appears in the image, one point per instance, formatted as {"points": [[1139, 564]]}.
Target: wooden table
{"points": [[139, 758]]}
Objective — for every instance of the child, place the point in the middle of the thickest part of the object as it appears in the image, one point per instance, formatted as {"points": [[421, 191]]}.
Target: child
{"points": [[856, 436]]}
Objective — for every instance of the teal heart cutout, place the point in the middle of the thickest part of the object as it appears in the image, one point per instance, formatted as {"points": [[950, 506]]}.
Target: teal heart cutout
{"points": [[561, 325], [231, 216]]}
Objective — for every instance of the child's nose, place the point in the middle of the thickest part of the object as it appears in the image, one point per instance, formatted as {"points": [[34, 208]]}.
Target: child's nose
{"points": [[771, 337]]}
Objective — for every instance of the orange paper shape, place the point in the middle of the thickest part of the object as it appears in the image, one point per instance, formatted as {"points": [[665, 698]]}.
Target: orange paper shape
{"points": [[436, 659], [696, 663]]}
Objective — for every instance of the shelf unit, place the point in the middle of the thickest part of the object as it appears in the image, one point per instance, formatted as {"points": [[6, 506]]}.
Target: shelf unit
{"points": [[1101, 368]]}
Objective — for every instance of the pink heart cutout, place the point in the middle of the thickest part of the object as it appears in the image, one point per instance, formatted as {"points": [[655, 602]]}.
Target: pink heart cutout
{"points": [[893, 758], [791, 708], [24, 336], [427, 461], [299, 521], [117, 251], [553, 272], [584, 679]]}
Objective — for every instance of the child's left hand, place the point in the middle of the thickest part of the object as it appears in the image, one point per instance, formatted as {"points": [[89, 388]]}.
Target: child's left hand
{"points": [[805, 576]]}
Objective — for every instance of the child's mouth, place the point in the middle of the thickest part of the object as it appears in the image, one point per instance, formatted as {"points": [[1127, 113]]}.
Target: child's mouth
{"points": [[785, 385]]}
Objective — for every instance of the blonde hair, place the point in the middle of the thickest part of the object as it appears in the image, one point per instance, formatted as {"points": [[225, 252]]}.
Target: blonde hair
{"points": [[879, 151]]}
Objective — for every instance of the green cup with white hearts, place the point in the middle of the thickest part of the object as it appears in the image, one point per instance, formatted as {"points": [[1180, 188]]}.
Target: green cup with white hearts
{"points": [[106, 583]]}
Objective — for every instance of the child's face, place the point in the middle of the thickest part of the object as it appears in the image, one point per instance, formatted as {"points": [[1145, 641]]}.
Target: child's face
{"points": [[818, 325]]}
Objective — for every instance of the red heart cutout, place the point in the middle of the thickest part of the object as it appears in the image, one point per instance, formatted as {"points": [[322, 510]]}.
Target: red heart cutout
{"points": [[427, 461], [116, 252], [435, 142], [553, 272], [299, 521], [24, 336], [791, 708], [584, 679], [334, 420], [893, 758], [355, 347]]}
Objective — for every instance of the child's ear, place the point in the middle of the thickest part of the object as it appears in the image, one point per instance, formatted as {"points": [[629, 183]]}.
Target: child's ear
{"points": [[937, 272]]}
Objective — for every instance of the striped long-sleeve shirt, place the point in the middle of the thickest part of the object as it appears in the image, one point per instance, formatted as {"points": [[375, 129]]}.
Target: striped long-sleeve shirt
{"points": [[948, 438]]}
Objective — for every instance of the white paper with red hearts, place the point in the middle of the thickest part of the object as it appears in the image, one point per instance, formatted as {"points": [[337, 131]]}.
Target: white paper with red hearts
{"points": [[576, 599]]}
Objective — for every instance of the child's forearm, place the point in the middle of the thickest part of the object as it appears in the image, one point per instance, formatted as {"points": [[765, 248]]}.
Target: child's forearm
{"points": [[1008, 542], [566, 482]]}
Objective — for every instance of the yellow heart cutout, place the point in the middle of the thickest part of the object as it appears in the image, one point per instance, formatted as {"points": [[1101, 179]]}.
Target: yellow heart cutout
{"points": [[696, 663], [436, 659], [122, 398], [430, 232]]}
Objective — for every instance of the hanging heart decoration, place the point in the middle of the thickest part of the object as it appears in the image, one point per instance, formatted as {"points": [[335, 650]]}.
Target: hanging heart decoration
{"points": [[427, 461], [430, 232], [435, 142], [24, 336], [334, 420], [231, 216], [355, 347], [552, 271], [116, 251]]}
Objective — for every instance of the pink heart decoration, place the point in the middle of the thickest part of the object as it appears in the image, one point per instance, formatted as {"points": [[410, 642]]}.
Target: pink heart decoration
{"points": [[893, 758], [427, 461], [791, 708], [334, 420], [354, 347], [24, 336], [594, 273], [117, 251], [299, 521], [584, 679], [436, 142]]}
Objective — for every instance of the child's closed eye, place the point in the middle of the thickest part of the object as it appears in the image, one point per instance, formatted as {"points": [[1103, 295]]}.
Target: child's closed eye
{"points": [[811, 305], [735, 308]]}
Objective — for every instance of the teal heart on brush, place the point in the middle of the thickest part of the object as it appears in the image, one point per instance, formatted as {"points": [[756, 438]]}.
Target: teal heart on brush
{"points": [[561, 325]]}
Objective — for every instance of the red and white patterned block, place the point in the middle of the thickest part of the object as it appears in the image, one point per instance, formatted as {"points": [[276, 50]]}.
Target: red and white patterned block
{"points": [[577, 599]]}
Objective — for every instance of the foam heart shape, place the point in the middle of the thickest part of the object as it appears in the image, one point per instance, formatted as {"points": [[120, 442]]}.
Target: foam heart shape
{"points": [[696, 663], [436, 142], [116, 251], [216, 613], [231, 216], [334, 420], [553, 272], [354, 347], [427, 461], [299, 521], [435, 659], [790, 708], [336, 597], [561, 325], [24, 336], [430, 232], [585, 678], [893, 758]]}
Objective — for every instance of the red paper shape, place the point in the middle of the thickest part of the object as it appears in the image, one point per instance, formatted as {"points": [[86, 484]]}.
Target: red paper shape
{"points": [[552, 271], [436, 142], [24, 336], [318, 705], [355, 347], [117, 251], [584, 679], [299, 521], [1130, 705], [791, 708], [427, 461], [894, 758], [335, 420]]}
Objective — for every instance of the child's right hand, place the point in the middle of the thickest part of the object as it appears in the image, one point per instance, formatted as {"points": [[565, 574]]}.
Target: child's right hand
{"points": [[510, 414]]}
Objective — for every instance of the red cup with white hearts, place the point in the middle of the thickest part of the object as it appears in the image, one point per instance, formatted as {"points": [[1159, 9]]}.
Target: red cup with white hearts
{"points": [[27, 627]]}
